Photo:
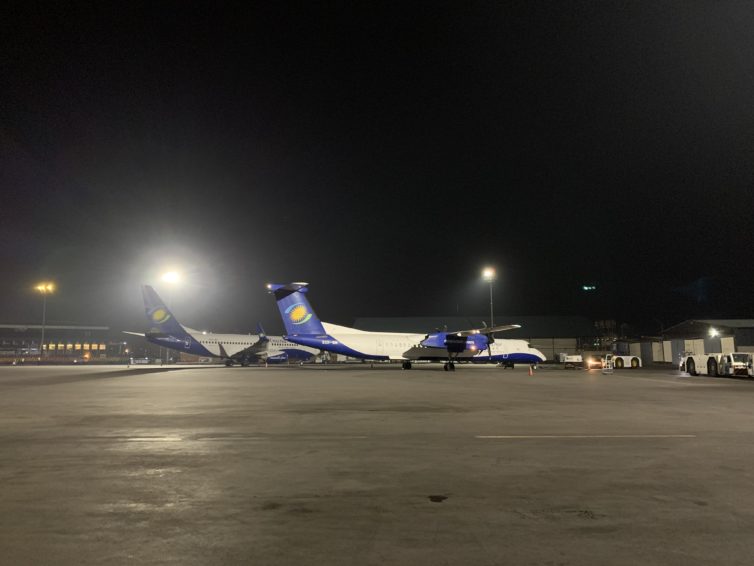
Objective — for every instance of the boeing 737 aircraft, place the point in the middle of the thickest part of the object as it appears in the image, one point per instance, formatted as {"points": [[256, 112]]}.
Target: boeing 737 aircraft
{"points": [[165, 330], [303, 327]]}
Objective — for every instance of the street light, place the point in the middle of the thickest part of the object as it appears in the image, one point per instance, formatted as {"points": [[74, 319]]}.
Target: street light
{"points": [[45, 288], [488, 274]]}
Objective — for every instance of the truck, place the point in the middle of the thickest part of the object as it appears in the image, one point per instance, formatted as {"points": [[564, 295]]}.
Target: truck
{"points": [[620, 362], [599, 360], [571, 361], [610, 360], [720, 364]]}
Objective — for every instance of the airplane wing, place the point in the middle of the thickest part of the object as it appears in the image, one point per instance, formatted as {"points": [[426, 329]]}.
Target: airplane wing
{"points": [[133, 333], [429, 353], [258, 349], [487, 330]]}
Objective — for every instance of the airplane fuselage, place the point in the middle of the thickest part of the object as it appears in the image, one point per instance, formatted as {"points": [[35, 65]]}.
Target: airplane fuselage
{"points": [[399, 346], [212, 345]]}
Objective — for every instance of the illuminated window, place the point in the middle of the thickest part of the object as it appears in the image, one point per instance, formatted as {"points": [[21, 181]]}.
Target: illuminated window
{"points": [[102, 347], [78, 346], [85, 346], [69, 346]]}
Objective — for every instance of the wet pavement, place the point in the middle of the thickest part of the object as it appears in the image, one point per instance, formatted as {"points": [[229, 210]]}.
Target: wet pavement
{"points": [[352, 465]]}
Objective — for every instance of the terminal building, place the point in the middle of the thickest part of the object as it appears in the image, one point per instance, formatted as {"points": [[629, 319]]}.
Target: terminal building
{"points": [[62, 343]]}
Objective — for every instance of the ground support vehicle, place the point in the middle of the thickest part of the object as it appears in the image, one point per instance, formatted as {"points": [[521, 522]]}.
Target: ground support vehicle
{"points": [[571, 361], [725, 364], [619, 362]]}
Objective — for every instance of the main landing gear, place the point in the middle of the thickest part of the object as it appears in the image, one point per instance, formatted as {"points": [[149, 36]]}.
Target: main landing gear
{"points": [[406, 365], [449, 366]]}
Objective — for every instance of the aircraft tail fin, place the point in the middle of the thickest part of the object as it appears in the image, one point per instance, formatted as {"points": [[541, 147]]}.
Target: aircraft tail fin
{"points": [[161, 320], [298, 315]]}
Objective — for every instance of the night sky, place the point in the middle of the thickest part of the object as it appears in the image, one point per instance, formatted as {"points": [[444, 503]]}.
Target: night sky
{"points": [[384, 153]]}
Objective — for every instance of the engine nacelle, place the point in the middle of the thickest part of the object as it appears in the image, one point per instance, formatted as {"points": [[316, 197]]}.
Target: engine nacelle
{"points": [[454, 343]]}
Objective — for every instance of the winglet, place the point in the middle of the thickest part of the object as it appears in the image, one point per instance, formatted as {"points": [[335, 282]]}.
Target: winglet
{"points": [[223, 352]]}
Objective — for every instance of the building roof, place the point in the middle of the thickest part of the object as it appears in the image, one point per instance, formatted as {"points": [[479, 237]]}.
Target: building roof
{"points": [[24, 327], [531, 326], [701, 326]]}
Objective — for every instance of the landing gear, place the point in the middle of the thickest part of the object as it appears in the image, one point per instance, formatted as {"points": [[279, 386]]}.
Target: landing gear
{"points": [[228, 363], [406, 365], [449, 366]]}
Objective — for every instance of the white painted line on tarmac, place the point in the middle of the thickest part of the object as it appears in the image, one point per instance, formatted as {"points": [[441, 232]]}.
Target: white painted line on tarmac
{"points": [[149, 439], [571, 436]]}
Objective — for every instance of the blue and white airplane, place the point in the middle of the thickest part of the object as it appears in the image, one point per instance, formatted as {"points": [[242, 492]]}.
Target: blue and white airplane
{"points": [[166, 331], [303, 327]]}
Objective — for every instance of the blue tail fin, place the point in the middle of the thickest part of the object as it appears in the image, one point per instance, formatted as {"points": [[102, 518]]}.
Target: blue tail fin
{"points": [[298, 315], [161, 320]]}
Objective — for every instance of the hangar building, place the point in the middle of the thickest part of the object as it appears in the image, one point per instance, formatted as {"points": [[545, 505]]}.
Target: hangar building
{"points": [[701, 336]]}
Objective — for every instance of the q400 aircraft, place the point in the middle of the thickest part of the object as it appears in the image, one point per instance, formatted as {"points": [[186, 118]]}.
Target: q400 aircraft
{"points": [[303, 327], [166, 331]]}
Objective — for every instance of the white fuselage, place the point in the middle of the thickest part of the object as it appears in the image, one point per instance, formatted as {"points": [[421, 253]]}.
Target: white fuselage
{"points": [[400, 346], [236, 343]]}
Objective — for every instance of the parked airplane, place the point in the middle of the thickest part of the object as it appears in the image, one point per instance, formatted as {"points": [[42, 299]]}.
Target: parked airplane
{"points": [[478, 345], [165, 330]]}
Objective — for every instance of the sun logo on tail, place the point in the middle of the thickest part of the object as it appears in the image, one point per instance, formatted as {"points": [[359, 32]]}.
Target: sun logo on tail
{"points": [[298, 313], [159, 315]]}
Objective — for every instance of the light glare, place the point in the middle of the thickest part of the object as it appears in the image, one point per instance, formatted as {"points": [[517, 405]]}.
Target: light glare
{"points": [[45, 288], [171, 277]]}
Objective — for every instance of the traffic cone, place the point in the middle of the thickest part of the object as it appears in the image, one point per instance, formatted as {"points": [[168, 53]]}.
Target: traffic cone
{"points": [[531, 371]]}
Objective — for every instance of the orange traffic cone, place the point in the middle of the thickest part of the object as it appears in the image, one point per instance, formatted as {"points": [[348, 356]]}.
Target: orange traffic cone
{"points": [[531, 371]]}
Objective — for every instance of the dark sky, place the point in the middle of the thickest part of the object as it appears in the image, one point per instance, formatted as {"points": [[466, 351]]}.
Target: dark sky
{"points": [[383, 153]]}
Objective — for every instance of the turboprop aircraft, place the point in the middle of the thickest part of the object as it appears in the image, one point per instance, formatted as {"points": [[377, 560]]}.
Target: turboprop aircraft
{"points": [[166, 331], [477, 345]]}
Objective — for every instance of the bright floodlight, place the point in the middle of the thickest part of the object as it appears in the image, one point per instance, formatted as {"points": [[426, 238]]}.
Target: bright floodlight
{"points": [[713, 332], [171, 277], [488, 273], [45, 288]]}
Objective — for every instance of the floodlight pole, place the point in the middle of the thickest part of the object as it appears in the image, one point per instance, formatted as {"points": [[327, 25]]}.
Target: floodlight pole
{"points": [[44, 320], [488, 274], [492, 311]]}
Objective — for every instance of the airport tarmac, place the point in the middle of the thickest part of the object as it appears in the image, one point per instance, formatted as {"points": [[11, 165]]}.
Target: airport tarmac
{"points": [[353, 465]]}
